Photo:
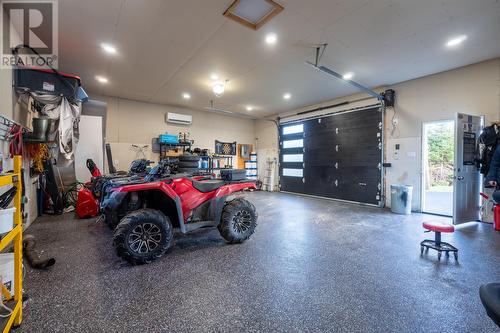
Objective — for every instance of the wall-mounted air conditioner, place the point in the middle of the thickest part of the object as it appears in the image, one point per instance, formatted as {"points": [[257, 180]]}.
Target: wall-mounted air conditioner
{"points": [[177, 118]]}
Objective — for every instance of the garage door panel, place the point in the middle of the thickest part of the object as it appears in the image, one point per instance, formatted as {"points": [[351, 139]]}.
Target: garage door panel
{"points": [[359, 190], [350, 137], [292, 184], [318, 157], [292, 151], [292, 136], [320, 180]]}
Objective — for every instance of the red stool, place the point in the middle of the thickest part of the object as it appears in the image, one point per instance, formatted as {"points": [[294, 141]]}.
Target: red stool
{"points": [[437, 244]]}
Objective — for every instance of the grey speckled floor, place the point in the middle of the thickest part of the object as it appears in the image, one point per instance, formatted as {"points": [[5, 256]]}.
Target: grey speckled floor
{"points": [[312, 266]]}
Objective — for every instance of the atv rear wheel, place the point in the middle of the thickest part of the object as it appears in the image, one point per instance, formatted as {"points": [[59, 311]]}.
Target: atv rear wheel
{"points": [[238, 221], [143, 236]]}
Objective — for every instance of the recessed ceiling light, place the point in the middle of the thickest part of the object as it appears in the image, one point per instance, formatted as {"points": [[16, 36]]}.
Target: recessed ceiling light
{"points": [[249, 108], [186, 95], [214, 76], [108, 48], [287, 96], [456, 41], [348, 75], [101, 79], [271, 38]]}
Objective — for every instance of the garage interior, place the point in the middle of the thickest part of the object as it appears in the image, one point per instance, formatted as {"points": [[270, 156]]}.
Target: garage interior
{"points": [[250, 166]]}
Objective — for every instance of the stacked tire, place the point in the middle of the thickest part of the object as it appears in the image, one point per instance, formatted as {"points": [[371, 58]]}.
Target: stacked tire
{"points": [[189, 163]]}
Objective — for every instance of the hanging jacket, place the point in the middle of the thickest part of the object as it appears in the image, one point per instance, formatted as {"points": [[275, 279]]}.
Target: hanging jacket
{"points": [[494, 167], [486, 146]]}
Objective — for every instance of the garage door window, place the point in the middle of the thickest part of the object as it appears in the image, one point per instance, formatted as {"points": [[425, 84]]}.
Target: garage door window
{"points": [[293, 172], [293, 129], [293, 143], [293, 158]]}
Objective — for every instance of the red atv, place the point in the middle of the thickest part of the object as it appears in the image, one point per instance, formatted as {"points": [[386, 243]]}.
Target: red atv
{"points": [[147, 213]]}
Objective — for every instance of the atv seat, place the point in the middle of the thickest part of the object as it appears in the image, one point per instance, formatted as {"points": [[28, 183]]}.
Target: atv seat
{"points": [[207, 185]]}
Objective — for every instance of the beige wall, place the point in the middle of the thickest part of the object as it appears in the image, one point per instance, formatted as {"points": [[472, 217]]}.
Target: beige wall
{"points": [[473, 89], [132, 122], [266, 143]]}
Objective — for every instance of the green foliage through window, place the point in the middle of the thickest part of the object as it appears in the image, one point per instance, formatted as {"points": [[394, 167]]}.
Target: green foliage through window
{"points": [[440, 148]]}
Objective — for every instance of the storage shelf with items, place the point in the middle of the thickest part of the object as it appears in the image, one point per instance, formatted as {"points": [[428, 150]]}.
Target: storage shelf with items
{"points": [[216, 162], [251, 167], [13, 301], [222, 162], [169, 142]]}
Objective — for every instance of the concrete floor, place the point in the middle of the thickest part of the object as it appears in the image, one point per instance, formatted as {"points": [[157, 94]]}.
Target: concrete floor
{"points": [[313, 265], [439, 203]]}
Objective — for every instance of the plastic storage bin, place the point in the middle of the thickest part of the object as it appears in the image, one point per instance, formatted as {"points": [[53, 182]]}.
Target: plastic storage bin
{"points": [[168, 138], [7, 219], [401, 199]]}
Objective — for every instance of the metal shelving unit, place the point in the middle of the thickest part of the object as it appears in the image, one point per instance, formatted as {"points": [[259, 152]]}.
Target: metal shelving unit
{"points": [[14, 236], [251, 167], [228, 161], [164, 147]]}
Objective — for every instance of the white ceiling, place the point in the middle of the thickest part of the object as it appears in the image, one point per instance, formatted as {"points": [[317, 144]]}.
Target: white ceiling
{"points": [[166, 48]]}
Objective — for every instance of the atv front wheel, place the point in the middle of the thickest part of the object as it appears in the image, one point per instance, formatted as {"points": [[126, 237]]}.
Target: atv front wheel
{"points": [[143, 236], [238, 221], [111, 219]]}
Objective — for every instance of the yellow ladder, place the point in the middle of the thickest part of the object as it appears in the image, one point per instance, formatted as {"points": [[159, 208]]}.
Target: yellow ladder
{"points": [[16, 237]]}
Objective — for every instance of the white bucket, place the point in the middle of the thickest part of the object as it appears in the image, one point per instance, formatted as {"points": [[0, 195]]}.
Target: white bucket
{"points": [[7, 220]]}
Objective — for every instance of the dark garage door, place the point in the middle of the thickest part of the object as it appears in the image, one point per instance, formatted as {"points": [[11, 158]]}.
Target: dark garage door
{"points": [[336, 156]]}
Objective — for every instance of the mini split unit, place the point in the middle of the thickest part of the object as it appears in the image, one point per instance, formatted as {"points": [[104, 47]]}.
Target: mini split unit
{"points": [[177, 118]]}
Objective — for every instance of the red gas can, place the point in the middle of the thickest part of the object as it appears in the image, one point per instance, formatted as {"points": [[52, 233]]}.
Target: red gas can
{"points": [[496, 217], [86, 204]]}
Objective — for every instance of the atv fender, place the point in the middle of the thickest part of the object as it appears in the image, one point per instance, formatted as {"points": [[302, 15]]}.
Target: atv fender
{"points": [[224, 192], [121, 192], [114, 201]]}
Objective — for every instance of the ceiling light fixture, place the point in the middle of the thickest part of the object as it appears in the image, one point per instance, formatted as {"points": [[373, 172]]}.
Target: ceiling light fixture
{"points": [[214, 76], [218, 89], [249, 108], [186, 95], [271, 38], [108, 48], [287, 96], [101, 79], [455, 41], [348, 75]]}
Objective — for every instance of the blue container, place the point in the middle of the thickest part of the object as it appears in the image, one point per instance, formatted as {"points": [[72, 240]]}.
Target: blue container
{"points": [[204, 164], [168, 138]]}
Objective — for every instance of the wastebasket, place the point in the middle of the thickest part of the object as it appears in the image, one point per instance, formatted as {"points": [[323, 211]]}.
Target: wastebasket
{"points": [[401, 199]]}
